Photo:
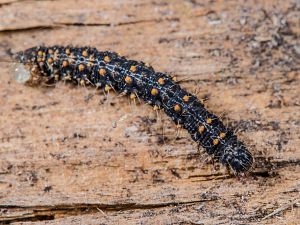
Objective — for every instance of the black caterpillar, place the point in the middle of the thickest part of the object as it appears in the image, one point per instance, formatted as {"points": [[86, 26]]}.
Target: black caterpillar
{"points": [[88, 66]]}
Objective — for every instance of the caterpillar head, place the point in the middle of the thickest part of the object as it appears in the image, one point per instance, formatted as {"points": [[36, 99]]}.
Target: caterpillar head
{"points": [[31, 63], [236, 156], [29, 56]]}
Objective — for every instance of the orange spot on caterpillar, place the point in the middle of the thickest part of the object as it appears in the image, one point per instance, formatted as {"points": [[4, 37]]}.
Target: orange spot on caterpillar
{"points": [[222, 135], [161, 81], [209, 121], [128, 80], [174, 78], [91, 61], [40, 53], [215, 141], [201, 129], [102, 72], [65, 63], [82, 82], [186, 98], [106, 59], [50, 51], [85, 53], [68, 51], [177, 108], [154, 91], [133, 69], [50, 60], [81, 67]]}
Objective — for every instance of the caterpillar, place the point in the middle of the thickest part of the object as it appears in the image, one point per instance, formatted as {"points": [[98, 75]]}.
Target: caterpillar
{"points": [[109, 70]]}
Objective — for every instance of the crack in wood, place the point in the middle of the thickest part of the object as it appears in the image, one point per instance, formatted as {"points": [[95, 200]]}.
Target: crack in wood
{"points": [[18, 1], [49, 212], [56, 25], [29, 28]]}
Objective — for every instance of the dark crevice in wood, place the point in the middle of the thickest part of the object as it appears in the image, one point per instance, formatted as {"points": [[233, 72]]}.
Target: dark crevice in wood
{"points": [[25, 29], [10, 3], [106, 24], [17, 1], [49, 212], [77, 24]]}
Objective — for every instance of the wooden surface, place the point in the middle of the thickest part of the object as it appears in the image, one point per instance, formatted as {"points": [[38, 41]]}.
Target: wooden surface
{"points": [[71, 155]]}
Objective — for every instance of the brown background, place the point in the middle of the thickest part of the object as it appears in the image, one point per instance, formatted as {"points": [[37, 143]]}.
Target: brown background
{"points": [[69, 155]]}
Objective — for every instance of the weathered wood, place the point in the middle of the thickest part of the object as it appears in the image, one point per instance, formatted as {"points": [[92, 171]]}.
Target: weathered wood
{"points": [[68, 155]]}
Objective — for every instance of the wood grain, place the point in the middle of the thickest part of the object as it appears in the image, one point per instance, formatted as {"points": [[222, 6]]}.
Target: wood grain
{"points": [[71, 155]]}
